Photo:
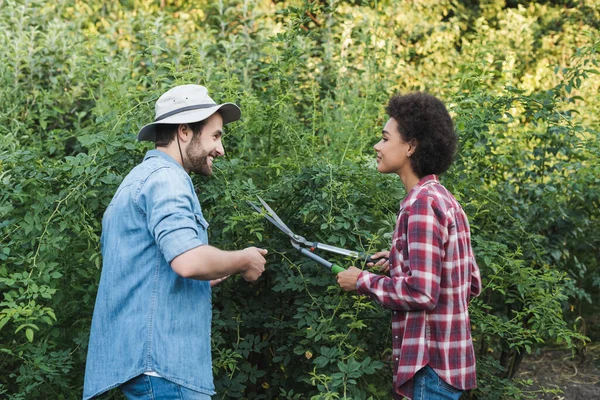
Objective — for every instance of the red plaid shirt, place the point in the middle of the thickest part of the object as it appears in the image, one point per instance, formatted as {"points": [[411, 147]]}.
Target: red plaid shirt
{"points": [[433, 275]]}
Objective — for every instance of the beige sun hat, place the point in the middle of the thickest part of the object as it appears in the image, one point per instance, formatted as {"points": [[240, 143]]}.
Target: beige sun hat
{"points": [[186, 104]]}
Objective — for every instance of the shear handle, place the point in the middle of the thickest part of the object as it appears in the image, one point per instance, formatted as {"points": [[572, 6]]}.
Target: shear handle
{"points": [[336, 269], [349, 253], [369, 259]]}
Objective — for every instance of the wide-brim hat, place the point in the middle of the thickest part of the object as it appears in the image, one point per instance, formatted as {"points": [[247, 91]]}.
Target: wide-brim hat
{"points": [[186, 104]]}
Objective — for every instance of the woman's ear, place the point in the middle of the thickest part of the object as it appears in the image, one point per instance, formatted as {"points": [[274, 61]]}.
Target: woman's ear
{"points": [[412, 147]]}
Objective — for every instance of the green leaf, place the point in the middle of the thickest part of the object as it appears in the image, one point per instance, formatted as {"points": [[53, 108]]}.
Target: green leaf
{"points": [[4, 320], [29, 334]]}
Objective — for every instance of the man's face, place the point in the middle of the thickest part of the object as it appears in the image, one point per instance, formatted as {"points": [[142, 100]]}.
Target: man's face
{"points": [[206, 146]]}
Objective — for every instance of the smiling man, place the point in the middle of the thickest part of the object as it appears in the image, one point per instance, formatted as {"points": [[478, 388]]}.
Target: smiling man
{"points": [[432, 270], [151, 326]]}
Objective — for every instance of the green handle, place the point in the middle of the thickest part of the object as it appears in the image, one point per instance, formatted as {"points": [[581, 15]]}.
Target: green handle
{"points": [[336, 269]]}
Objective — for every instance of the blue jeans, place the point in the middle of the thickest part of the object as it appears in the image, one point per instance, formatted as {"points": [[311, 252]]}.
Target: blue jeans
{"points": [[145, 387], [429, 386]]}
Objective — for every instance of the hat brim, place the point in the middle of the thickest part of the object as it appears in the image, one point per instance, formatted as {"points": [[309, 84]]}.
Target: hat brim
{"points": [[229, 111]]}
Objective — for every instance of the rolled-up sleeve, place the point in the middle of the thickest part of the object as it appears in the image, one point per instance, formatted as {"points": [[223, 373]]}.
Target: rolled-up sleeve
{"points": [[165, 197]]}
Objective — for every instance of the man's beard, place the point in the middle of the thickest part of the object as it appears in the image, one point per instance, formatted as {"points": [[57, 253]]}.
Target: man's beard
{"points": [[198, 157]]}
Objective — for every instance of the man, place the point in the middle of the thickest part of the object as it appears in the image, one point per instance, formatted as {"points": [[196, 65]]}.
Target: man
{"points": [[151, 327], [433, 273]]}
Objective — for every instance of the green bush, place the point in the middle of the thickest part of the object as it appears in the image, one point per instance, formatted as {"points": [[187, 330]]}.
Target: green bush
{"points": [[78, 79]]}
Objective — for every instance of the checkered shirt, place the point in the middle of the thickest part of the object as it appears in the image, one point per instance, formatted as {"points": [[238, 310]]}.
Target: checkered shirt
{"points": [[433, 276]]}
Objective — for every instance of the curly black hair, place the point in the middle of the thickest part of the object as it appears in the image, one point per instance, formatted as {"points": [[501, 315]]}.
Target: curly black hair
{"points": [[423, 118]]}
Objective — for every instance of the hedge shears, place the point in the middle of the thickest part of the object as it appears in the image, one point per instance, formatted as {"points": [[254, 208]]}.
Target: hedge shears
{"points": [[304, 246]]}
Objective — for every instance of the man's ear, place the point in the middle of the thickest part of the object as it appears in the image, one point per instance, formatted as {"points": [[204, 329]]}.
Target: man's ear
{"points": [[184, 132]]}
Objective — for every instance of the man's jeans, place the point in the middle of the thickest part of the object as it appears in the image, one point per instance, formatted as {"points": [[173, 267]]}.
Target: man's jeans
{"points": [[429, 386], [145, 387]]}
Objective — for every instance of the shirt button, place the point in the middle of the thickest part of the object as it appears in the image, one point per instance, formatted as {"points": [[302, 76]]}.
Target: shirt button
{"points": [[396, 337]]}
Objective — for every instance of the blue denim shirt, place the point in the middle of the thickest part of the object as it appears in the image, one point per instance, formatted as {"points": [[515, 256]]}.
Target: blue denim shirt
{"points": [[147, 317]]}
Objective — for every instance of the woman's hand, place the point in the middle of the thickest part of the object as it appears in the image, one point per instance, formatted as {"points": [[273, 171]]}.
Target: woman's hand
{"points": [[347, 279], [383, 261]]}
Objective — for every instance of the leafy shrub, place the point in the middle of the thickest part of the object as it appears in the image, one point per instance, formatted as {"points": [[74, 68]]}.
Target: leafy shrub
{"points": [[79, 78]]}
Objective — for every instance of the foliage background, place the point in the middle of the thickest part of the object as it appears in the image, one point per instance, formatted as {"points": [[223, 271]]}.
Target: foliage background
{"points": [[78, 79]]}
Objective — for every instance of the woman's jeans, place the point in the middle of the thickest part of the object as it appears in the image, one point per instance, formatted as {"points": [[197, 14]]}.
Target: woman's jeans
{"points": [[146, 387], [429, 386]]}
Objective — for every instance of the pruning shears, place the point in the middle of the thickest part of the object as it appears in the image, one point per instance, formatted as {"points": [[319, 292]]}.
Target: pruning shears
{"points": [[304, 246]]}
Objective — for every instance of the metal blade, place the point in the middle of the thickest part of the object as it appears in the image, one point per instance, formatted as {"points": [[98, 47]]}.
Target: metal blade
{"points": [[274, 215], [282, 227]]}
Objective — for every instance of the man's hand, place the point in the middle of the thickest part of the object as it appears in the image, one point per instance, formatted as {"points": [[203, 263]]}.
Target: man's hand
{"points": [[255, 263], [347, 279], [214, 282], [383, 263]]}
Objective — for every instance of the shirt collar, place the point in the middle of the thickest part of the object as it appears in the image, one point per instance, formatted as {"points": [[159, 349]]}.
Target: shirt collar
{"points": [[163, 155], [427, 180], [424, 181]]}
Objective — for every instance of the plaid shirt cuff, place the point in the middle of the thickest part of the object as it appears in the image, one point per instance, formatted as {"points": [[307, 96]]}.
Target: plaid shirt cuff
{"points": [[363, 284]]}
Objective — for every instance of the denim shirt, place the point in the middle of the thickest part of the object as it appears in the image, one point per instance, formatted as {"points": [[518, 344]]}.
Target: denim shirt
{"points": [[147, 317]]}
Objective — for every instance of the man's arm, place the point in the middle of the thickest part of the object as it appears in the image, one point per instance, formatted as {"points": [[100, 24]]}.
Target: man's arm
{"points": [[207, 262], [166, 200]]}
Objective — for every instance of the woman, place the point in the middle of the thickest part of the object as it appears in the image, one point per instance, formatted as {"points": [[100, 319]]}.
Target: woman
{"points": [[433, 272]]}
